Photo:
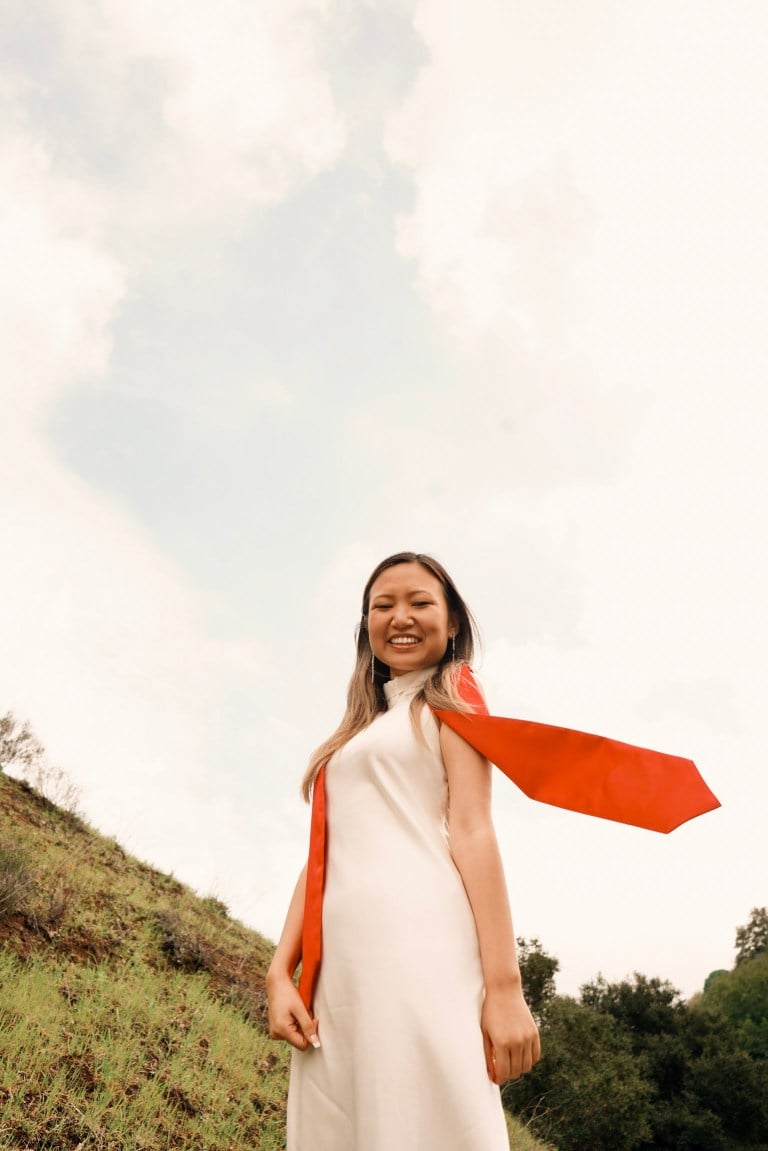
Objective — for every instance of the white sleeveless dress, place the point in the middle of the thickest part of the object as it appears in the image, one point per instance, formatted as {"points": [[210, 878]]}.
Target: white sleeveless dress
{"points": [[399, 996]]}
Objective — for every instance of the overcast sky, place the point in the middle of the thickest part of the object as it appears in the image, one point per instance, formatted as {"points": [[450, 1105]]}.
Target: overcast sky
{"points": [[289, 285]]}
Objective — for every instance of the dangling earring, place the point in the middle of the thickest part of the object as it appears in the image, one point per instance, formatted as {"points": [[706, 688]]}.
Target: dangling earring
{"points": [[373, 676], [453, 647]]}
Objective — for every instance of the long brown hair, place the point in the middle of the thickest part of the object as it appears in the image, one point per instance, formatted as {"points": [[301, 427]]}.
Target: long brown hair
{"points": [[365, 695]]}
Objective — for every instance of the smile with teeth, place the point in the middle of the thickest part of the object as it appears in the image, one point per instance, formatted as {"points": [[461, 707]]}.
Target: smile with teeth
{"points": [[404, 640]]}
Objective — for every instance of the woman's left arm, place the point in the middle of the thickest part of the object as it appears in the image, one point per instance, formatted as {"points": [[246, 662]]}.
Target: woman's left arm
{"points": [[510, 1035]]}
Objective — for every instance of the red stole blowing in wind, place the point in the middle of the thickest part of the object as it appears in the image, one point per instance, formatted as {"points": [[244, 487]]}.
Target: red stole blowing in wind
{"points": [[556, 765]]}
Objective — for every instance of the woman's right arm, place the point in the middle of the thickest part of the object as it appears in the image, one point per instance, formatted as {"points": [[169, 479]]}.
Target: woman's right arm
{"points": [[288, 1017]]}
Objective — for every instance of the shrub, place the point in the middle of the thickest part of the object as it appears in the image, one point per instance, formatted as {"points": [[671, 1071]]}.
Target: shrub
{"points": [[21, 749], [18, 743], [181, 944], [16, 880]]}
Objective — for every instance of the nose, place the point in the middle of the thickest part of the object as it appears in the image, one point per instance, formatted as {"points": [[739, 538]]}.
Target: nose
{"points": [[401, 616]]}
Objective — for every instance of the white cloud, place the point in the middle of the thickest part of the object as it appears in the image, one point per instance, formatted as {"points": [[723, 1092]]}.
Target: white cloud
{"points": [[565, 163], [108, 649], [105, 647], [497, 204], [60, 290], [193, 117], [588, 234], [246, 106]]}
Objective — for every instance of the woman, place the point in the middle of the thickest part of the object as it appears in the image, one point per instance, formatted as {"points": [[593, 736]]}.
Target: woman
{"points": [[418, 1014]]}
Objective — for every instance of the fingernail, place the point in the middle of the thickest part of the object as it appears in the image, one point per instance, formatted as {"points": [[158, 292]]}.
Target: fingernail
{"points": [[314, 1041]]}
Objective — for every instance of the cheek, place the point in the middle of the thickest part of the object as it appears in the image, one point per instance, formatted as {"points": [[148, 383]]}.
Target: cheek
{"points": [[442, 624]]}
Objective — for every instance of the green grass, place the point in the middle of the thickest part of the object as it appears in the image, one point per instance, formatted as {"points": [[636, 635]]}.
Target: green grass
{"points": [[521, 1139], [115, 1058], [132, 1011]]}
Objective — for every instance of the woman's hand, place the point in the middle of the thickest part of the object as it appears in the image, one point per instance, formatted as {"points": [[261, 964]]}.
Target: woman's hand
{"points": [[288, 1017], [510, 1035]]}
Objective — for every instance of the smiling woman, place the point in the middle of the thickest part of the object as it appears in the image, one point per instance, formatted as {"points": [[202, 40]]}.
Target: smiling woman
{"points": [[417, 1015], [409, 624], [377, 662]]}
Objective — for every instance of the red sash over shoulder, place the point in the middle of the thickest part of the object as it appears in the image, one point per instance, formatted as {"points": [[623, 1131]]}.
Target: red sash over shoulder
{"points": [[312, 930], [569, 769]]}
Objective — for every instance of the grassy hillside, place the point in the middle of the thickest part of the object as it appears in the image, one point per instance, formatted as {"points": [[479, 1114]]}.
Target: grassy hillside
{"points": [[132, 1012]]}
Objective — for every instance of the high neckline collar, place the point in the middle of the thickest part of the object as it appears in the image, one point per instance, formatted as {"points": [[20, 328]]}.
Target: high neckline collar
{"points": [[407, 684]]}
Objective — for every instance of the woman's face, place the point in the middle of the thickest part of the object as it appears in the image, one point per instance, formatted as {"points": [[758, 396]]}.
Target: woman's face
{"points": [[408, 621]]}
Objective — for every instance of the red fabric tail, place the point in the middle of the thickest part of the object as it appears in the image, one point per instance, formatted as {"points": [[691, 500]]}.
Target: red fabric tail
{"points": [[312, 930], [582, 772], [570, 769]]}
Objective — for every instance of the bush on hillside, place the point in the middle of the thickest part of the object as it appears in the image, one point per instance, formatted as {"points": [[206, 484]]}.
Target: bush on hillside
{"points": [[182, 945], [21, 750], [19, 746], [17, 881]]}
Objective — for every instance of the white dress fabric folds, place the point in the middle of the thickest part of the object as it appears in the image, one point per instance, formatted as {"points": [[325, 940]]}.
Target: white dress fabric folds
{"points": [[399, 995]]}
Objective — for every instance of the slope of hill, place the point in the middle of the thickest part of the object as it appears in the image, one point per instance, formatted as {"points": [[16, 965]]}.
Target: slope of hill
{"points": [[132, 1011]]}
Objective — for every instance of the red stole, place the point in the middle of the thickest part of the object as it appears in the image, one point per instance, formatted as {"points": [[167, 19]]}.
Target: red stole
{"points": [[569, 769]]}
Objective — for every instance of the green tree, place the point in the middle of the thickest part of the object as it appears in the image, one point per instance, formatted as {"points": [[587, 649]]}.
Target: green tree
{"points": [[643, 1005], [741, 996], [730, 1088], [752, 938], [587, 1093], [537, 969], [707, 1094]]}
